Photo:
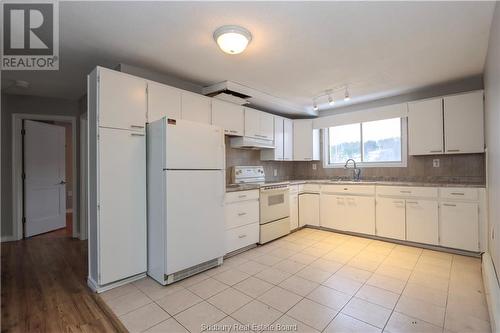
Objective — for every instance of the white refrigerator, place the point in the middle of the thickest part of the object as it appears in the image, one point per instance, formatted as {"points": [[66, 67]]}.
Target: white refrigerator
{"points": [[186, 189]]}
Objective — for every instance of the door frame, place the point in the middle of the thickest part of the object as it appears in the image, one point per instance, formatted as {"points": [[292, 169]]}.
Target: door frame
{"points": [[83, 177], [17, 182]]}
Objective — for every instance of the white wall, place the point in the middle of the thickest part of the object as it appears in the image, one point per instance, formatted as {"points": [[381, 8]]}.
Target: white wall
{"points": [[492, 109]]}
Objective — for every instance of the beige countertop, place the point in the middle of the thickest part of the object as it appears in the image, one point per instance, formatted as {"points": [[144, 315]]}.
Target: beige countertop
{"points": [[246, 187]]}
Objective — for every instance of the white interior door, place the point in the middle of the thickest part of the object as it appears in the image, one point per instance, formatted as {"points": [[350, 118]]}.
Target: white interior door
{"points": [[45, 182]]}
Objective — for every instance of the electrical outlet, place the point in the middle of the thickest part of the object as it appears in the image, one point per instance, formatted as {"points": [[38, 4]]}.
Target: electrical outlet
{"points": [[435, 163], [275, 171], [314, 166]]}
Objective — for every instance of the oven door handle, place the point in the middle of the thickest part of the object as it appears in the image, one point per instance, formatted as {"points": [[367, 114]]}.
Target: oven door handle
{"points": [[282, 189]]}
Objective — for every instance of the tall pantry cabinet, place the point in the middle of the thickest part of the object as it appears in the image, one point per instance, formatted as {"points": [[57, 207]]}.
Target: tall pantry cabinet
{"points": [[117, 106]]}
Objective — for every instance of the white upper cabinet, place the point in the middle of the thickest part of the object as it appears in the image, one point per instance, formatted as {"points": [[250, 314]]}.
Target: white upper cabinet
{"points": [[267, 125], [252, 123], [305, 141], [287, 139], [229, 117], [122, 100], [163, 101], [464, 123], [258, 124], [425, 127], [275, 154], [196, 107]]}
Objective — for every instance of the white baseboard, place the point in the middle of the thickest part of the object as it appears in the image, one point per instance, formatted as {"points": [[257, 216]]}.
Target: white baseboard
{"points": [[8, 238], [492, 291]]}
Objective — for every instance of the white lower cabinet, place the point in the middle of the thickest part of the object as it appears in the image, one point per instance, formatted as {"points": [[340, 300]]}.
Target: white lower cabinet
{"points": [[238, 238], [332, 211], [390, 218], [360, 214], [309, 209], [459, 225], [294, 207], [422, 221], [241, 213]]}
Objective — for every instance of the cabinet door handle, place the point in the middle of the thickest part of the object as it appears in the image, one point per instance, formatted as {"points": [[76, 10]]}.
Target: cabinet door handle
{"points": [[457, 193], [412, 202], [242, 236], [453, 150], [449, 205], [242, 214], [404, 191], [435, 151], [346, 189], [136, 134], [136, 126], [242, 196], [398, 202]]}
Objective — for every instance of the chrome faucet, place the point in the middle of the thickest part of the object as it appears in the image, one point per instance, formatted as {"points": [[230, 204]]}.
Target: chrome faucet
{"points": [[356, 172]]}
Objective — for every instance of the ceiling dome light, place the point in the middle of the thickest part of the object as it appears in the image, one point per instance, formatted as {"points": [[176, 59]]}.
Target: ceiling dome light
{"points": [[232, 39]]}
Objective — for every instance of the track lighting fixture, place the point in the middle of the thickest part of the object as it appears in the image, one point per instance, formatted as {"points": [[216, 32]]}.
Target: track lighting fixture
{"points": [[329, 95], [346, 96], [331, 101]]}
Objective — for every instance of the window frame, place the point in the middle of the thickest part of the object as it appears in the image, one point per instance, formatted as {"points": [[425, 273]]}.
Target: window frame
{"points": [[399, 164]]}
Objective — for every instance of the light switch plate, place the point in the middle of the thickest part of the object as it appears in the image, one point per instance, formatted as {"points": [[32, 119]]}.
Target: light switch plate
{"points": [[275, 171], [314, 166], [435, 163]]}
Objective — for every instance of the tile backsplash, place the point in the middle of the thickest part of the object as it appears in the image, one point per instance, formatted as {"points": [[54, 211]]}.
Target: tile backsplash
{"points": [[463, 168]]}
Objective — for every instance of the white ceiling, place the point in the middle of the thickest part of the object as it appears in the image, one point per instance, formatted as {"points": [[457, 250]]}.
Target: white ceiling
{"points": [[299, 49]]}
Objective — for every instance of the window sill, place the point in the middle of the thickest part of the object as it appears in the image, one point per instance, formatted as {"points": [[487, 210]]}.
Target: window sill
{"points": [[368, 165]]}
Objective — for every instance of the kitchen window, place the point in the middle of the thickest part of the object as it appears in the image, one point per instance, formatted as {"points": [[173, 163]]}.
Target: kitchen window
{"points": [[379, 143]]}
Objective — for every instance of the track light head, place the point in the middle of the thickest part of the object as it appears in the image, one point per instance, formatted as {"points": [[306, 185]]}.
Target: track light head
{"points": [[331, 101], [347, 97]]}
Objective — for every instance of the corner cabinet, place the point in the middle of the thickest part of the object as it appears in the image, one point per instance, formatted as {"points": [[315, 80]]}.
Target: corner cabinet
{"points": [[229, 117], [309, 209], [464, 123], [305, 141], [447, 125], [116, 178]]}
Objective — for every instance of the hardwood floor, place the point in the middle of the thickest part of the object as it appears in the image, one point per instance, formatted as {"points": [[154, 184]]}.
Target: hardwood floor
{"points": [[44, 288]]}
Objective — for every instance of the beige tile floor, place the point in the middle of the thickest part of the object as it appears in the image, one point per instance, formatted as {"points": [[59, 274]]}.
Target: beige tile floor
{"points": [[315, 281]]}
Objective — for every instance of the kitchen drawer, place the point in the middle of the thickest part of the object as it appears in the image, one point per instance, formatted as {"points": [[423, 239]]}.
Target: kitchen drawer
{"points": [[459, 193], [314, 188], [407, 191], [349, 189], [240, 237], [241, 213], [242, 196]]}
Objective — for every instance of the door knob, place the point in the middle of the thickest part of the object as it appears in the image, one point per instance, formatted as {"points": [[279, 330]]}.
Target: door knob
{"points": [[62, 182]]}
